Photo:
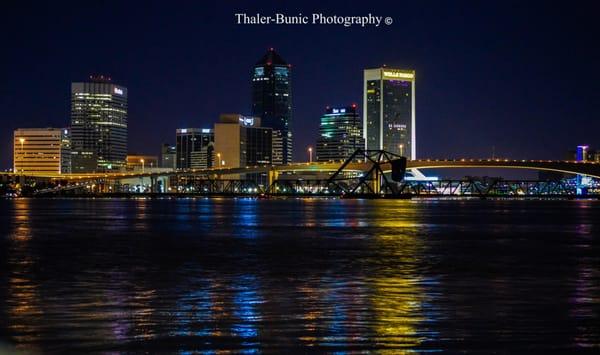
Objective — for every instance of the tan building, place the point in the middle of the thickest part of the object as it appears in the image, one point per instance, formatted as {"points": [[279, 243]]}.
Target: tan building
{"points": [[240, 141], [38, 151], [140, 162]]}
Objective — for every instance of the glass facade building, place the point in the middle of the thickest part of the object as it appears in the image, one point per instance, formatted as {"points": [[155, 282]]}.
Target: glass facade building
{"points": [[389, 111], [190, 140], [340, 133], [98, 125], [272, 102], [203, 158]]}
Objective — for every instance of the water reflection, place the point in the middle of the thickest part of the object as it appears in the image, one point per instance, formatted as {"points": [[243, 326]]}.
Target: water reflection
{"points": [[398, 298], [245, 275], [23, 295], [246, 301]]}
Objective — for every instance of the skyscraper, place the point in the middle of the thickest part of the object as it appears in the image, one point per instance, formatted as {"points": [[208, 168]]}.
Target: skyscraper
{"points": [[98, 125], [190, 140], [272, 102], [42, 151], [389, 111], [340, 133]]}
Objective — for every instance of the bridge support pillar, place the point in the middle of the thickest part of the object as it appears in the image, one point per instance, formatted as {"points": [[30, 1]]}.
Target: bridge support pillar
{"points": [[164, 184], [273, 176], [153, 183], [376, 182]]}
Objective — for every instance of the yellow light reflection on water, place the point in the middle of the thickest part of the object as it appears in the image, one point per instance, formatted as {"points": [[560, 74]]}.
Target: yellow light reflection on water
{"points": [[23, 296], [398, 298]]}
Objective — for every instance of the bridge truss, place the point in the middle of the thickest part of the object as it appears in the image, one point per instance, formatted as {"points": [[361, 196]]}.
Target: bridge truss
{"points": [[373, 180], [484, 188]]}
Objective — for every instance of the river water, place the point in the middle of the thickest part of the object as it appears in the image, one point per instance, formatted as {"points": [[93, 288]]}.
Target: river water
{"points": [[251, 275]]}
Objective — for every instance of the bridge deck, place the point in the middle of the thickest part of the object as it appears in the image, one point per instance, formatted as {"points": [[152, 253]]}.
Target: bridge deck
{"points": [[571, 167]]}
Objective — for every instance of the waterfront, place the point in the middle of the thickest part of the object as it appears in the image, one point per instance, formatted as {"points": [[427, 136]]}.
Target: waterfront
{"points": [[196, 274]]}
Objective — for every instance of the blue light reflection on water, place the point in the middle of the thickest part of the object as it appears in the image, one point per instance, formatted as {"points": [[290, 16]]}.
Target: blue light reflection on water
{"points": [[246, 301]]}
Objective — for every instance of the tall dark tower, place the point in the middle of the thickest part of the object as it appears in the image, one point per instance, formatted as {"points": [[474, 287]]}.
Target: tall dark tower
{"points": [[272, 102]]}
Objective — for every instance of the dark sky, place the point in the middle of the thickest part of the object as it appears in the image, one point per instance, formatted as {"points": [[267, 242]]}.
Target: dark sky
{"points": [[520, 76]]}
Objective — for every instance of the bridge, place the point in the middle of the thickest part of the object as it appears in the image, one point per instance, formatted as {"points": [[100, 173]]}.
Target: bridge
{"points": [[368, 169], [591, 169]]}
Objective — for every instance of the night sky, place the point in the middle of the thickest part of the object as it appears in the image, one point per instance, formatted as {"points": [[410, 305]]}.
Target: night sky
{"points": [[519, 76]]}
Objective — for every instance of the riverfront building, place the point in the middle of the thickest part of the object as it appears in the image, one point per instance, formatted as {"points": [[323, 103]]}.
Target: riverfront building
{"points": [[340, 133], [190, 140], [98, 125], [389, 111], [241, 141], [42, 151], [272, 102]]}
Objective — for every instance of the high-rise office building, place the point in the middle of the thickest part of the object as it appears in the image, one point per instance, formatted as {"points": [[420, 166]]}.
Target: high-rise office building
{"points": [[42, 151], [189, 140], [272, 102], [389, 111], [340, 133], [98, 125], [241, 141], [168, 156]]}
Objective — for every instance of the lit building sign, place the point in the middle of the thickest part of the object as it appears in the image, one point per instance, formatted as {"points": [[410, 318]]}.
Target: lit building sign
{"points": [[205, 130], [247, 121], [581, 153], [118, 91], [399, 75], [339, 110], [184, 130], [397, 126]]}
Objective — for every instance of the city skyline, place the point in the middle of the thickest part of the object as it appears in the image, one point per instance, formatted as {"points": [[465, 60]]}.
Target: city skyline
{"points": [[193, 98]]}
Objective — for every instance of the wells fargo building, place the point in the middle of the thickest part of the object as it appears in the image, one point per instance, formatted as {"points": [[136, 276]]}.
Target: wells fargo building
{"points": [[389, 111]]}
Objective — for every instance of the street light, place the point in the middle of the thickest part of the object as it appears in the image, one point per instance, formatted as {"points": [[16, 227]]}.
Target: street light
{"points": [[219, 160], [142, 161], [310, 154], [401, 146]]}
